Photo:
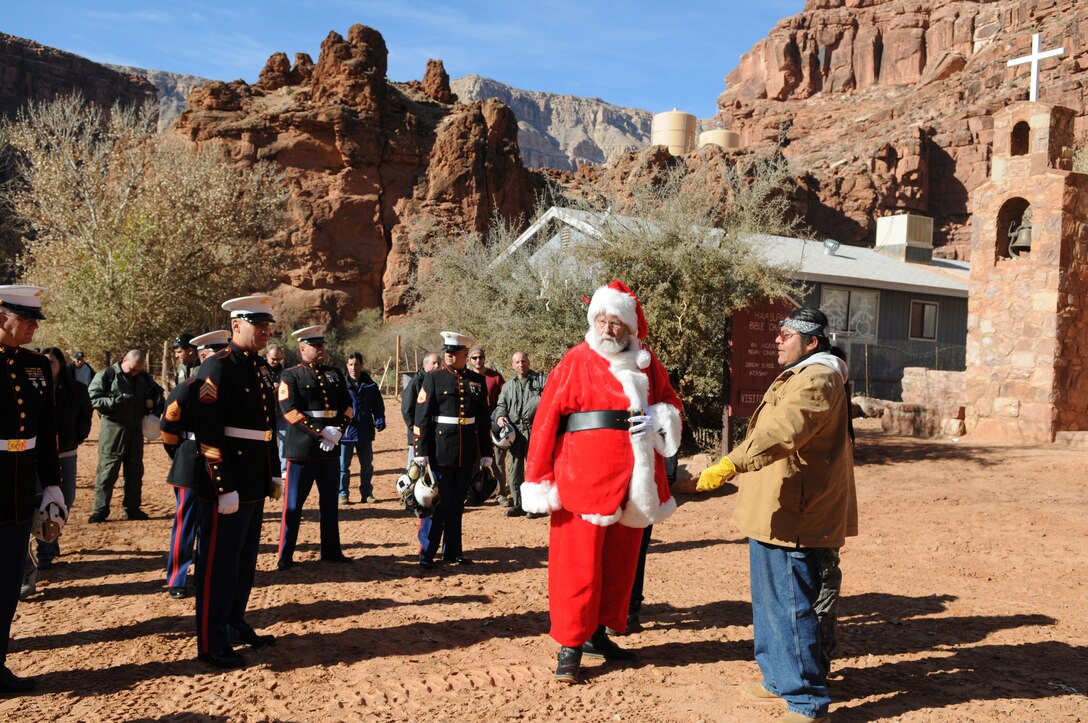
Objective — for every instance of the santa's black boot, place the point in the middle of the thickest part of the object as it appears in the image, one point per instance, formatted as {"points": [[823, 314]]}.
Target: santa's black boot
{"points": [[570, 661], [600, 646]]}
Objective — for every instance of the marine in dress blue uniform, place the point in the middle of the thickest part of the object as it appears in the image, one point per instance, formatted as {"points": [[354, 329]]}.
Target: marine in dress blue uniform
{"points": [[314, 401], [28, 452], [234, 421], [186, 467], [453, 434]]}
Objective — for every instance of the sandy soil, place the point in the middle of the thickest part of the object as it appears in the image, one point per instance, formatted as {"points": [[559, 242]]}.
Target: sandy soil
{"points": [[965, 600]]}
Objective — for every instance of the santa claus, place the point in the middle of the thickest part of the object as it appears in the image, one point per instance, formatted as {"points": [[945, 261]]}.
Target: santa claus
{"points": [[606, 421]]}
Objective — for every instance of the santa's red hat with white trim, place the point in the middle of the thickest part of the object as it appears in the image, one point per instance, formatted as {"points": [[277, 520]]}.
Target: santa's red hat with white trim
{"points": [[618, 300]]}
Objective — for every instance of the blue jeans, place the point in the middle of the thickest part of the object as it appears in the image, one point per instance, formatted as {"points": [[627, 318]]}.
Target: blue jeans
{"points": [[365, 451], [49, 550], [785, 586]]}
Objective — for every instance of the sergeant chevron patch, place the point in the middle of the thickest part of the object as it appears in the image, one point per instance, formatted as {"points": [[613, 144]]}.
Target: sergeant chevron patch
{"points": [[209, 392]]}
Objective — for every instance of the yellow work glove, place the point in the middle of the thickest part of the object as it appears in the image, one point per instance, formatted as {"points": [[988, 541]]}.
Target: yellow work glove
{"points": [[716, 475]]}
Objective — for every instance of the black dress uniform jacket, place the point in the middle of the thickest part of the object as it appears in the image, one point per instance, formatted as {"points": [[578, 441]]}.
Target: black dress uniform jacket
{"points": [[457, 396], [318, 389], [179, 440], [235, 420], [26, 412]]}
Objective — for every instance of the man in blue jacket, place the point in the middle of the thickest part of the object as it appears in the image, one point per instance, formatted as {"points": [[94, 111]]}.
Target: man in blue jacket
{"points": [[369, 417]]}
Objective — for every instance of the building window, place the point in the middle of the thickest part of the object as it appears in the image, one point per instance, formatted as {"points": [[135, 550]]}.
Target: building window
{"points": [[1020, 142], [851, 313], [923, 320]]}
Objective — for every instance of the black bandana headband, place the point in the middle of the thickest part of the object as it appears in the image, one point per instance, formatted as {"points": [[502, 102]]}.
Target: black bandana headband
{"points": [[803, 327]]}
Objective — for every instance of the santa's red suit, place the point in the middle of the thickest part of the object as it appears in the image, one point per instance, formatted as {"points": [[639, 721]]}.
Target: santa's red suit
{"points": [[602, 486]]}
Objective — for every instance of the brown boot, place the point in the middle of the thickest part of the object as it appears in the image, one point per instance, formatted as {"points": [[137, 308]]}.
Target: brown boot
{"points": [[754, 689]]}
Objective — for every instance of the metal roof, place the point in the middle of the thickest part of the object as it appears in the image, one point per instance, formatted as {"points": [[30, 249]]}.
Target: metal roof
{"points": [[805, 258]]}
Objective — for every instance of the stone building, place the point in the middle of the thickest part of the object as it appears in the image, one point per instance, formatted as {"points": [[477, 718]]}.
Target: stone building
{"points": [[1027, 331]]}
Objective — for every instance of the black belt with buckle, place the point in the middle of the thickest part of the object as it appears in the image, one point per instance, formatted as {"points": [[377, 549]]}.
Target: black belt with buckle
{"points": [[599, 419]]}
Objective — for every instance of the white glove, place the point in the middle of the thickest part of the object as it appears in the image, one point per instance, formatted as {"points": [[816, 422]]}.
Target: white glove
{"points": [[53, 494], [486, 461], [421, 461], [228, 503], [277, 488], [330, 437], [641, 424]]}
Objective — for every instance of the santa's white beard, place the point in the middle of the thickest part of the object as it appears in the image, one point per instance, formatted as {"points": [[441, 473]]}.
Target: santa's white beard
{"points": [[608, 343]]}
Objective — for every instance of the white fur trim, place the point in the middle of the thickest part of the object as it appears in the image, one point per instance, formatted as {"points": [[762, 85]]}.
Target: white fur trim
{"points": [[666, 510], [540, 497], [611, 301], [604, 520], [643, 507], [667, 422]]}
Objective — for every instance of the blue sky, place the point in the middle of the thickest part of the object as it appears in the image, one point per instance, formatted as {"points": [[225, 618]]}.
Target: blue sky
{"points": [[635, 53]]}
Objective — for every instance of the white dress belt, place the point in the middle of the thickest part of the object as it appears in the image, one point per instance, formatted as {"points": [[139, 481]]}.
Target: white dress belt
{"points": [[259, 435], [321, 415], [18, 445], [455, 420]]}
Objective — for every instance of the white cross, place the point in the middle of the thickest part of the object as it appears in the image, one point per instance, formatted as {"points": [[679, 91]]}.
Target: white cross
{"points": [[1034, 58]]}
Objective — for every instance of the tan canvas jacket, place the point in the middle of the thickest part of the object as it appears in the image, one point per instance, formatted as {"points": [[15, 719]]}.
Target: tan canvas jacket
{"points": [[797, 464]]}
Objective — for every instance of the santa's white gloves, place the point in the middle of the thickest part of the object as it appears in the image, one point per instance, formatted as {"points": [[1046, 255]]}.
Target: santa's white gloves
{"points": [[641, 423], [486, 461], [330, 437], [53, 494], [421, 461], [277, 488], [228, 503]]}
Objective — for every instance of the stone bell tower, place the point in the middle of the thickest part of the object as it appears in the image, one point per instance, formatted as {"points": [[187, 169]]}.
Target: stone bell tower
{"points": [[1027, 325]]}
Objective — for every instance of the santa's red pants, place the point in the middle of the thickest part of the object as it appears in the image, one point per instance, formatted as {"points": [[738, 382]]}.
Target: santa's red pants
{"points": [[590, 573]]}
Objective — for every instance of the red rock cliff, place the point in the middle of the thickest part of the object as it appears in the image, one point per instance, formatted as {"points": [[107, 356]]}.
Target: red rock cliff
{"points": [[29, 71], [887, 103], [372, 165]]}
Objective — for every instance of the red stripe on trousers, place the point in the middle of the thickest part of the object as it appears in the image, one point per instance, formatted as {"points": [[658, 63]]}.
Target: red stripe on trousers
{"points": [[283, 515], [207, 591], [176, 543]]}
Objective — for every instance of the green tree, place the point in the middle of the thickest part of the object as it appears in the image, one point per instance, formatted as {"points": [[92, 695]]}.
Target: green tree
{"points": [[137, 235], [685, 242]]}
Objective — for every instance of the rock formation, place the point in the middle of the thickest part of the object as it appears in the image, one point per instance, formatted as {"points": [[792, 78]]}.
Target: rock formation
{"points": [[564, 131], [376, 168], [173, 90], [888, 103], [29, 71]]}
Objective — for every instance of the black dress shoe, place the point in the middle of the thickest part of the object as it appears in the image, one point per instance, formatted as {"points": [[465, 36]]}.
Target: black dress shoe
{"points": [[222, 659], [341, 558], [12, 684], [425, 562], [136, 515], [96, 517], [255, 641], [515, 512], [282, 564], [178, 593], [570, 661], [600, 646], [459, 560], [535, 515]]}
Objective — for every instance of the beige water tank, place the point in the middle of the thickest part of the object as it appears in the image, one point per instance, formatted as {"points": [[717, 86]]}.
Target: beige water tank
{"points": [[720, 137], [674, 129]]}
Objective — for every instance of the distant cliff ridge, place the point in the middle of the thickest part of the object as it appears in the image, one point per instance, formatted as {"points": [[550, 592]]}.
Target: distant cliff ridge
{"points": [[31, 71], [563, 131], [173, 90]]}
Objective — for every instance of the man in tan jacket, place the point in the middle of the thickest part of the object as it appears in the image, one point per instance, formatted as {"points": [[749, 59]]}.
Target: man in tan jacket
{"points": [[797, 505]]}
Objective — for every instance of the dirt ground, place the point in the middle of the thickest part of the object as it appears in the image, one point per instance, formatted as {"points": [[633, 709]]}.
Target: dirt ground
{"points": [[964, 600]]}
